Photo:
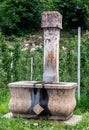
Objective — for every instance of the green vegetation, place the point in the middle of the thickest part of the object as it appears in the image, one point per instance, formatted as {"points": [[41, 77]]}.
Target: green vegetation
{"points": [[21, 16], [15, 64], [75, 13]]}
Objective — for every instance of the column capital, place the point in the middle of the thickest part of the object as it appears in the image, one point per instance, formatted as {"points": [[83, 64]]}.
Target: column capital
{"points": [[51, 19]]}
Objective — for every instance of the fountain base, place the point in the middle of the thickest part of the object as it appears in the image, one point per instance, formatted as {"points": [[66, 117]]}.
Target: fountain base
{"points": [[52, 100]]}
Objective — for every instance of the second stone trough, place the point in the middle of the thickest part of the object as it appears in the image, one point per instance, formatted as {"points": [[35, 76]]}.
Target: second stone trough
{"points": [[48, 98]]}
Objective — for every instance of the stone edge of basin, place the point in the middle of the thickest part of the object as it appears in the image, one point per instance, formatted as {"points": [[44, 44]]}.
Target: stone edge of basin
{"points": [[30, 84]]}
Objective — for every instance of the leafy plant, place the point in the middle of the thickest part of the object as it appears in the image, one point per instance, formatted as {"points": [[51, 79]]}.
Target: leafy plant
{"points": [[75, 13], [19, 17]]}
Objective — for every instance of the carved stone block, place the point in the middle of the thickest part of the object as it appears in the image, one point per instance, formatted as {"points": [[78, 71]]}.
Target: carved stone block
{"points": [[51, 19]]}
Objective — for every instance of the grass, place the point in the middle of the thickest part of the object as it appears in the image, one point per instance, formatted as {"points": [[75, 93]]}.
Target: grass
{"points": [[4, 100], [24, 124]]}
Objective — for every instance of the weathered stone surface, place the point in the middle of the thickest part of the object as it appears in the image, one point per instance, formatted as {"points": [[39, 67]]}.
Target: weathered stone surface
{"points": [[74, 120], [61, 102], [8, 115], [29, 85], [51, 19], [61, 98], [51, 54], [38, 109], [20, 100], [52, 23], [61, 117], [70, 120]]}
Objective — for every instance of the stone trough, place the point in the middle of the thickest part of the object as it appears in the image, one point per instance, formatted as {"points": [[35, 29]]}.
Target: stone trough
{"points": [[48, 98], [54, 99]]}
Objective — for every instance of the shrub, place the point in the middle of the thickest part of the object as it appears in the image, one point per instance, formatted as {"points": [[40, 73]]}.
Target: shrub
{"points": [[4, 62], [85, 63], [20, 16], [75, 13], [68, 60]]}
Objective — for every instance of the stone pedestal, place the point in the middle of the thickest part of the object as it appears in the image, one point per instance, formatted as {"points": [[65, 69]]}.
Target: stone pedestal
{"points": [[51, 24]]}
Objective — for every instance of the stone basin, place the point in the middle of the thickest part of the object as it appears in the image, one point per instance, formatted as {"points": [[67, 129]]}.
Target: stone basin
{"points": [[33, 99]]}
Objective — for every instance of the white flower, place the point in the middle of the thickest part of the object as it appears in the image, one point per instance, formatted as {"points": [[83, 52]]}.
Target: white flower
{"points": [[35, 124], [64, 48]]}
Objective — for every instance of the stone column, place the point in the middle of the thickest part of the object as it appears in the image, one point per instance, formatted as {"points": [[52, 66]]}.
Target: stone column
{"points": [[51, 23]]}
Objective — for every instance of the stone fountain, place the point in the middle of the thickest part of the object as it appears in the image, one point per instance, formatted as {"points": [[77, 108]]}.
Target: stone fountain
{"points": [[48, 98]]}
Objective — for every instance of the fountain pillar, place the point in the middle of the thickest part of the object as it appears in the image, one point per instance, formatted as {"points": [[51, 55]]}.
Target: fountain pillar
{"points": [[51, 23]]}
